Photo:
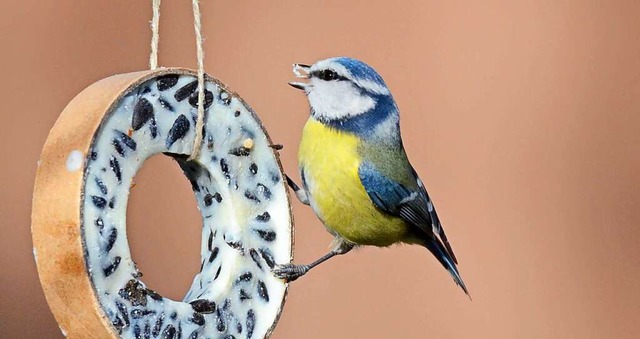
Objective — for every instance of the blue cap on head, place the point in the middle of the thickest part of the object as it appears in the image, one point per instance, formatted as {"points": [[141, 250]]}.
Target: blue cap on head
{"points": [[360, 70]]}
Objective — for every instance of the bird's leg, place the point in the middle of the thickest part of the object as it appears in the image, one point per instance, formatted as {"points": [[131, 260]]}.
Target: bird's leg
{"points": [[300, 193], [291, 272]]}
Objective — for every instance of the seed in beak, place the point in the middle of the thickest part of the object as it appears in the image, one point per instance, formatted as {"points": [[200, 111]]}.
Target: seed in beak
{"points": [[301, 67]]}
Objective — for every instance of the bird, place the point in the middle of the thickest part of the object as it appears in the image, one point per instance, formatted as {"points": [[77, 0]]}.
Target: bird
{"points": [[355, 173]]}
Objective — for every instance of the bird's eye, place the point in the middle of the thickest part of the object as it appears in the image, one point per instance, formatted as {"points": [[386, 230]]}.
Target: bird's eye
{"points": [[328, 75]]}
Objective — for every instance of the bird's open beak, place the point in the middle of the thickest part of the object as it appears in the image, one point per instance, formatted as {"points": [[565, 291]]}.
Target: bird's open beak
{"points": [[301, 71], [298, 85]]}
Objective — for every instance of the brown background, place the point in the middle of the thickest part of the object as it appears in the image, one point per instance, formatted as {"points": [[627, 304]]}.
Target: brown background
{"points": [[523, 120]]}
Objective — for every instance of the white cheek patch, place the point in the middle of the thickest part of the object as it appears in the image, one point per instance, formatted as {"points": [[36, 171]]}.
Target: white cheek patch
{"points": [[337, 99]]}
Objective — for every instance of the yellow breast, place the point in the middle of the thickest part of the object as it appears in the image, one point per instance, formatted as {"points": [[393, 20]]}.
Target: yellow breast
{"points": [[329, 162]]}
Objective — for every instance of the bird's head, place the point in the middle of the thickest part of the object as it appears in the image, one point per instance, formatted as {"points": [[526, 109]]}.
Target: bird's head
{"points": [[343, 89]]}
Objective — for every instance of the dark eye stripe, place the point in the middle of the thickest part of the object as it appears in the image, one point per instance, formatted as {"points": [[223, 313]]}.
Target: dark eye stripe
{"points": [[327, 75]]}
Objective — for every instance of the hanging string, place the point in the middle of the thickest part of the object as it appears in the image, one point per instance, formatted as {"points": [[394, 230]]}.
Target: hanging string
{"points": [[155, 35], [153, 64], [200, 55]]}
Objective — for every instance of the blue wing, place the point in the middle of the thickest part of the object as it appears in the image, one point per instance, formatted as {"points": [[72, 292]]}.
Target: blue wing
{"points": [[412, 204]]}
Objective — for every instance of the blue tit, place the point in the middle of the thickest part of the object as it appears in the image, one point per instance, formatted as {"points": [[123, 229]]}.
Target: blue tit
{"points": [[355, 173]]}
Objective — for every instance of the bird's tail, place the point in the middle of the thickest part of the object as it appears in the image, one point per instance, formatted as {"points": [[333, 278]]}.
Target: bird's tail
{"points": [[435, 246]]}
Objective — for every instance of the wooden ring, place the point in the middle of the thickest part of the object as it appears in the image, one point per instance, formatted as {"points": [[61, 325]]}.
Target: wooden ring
{"points": [[80, 198]]}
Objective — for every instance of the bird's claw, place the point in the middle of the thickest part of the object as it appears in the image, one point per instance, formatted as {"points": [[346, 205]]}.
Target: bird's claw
{"points": [[290, 272]]}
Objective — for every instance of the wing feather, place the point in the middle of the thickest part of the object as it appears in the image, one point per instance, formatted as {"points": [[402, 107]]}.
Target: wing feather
{"points": [[412, 205]]}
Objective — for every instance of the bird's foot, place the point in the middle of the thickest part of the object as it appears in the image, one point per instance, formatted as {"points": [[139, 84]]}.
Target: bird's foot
{"points": [[290, 272]]}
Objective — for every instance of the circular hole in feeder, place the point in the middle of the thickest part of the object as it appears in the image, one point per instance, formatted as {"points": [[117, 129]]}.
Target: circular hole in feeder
{"points": [[164, 227]]}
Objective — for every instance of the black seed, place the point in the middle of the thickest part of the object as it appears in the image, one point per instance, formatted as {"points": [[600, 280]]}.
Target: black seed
{"points": [[153, 128], [164, 103], [264, 190], [174, 315], [224, 167], [178, 130], [220, 325], [275, 177], [112, 267], [218, 197], [244, 277], [111, 240], [147, 331], [256, 257], [165, 82], [210, 242], [208, 99], [197, 319], [229, 336], [244, 295], [169, 332], [94, 155], [158, 326], [138, 313], [154, 295], [251, 322], [115, 167], [235, 245], [227, 304], [186, 90], [264, 217], [194, 335], [127, 141], [208, 199], [118, 147], [225, 100], [112, 202], [217, 273], [267, 235], [203, 306], [240, 151], [134, 292], [210, 142], [214, 254], [145, 90], [268, 257], [262, 291], [236, 114], [136, 331], [253, 168], [99, 202], [142, 112], [238, 327], [118, 324], [123, 312], [99, 223], [249, 195], [101, 186]]}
